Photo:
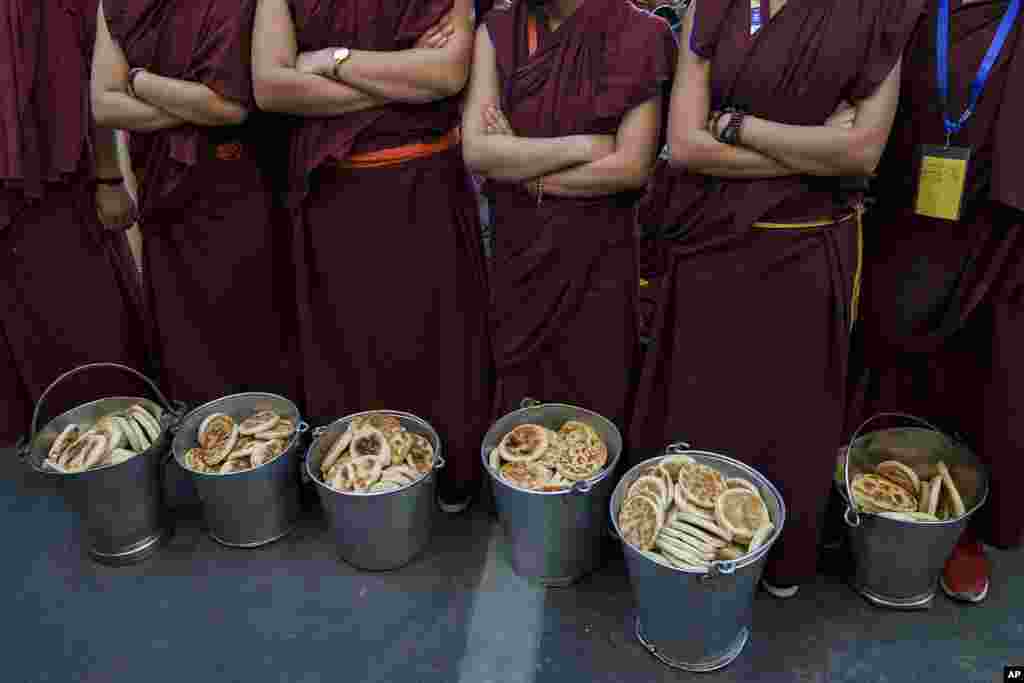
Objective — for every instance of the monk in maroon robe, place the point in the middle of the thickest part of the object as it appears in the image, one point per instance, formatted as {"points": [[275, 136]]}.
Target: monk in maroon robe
{"points": [[943, 315], [757, 296], [563, 119], [70, 294], [391, 278], [217, 253]]}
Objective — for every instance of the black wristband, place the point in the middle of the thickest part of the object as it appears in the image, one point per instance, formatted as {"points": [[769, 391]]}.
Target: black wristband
{"points": [[731, 134]]}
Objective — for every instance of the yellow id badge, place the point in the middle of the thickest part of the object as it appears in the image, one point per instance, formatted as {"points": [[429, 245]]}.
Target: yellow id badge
{"points": [[941, 183]]}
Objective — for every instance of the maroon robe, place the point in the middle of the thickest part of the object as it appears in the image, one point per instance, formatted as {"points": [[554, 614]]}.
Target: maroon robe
{"points": [[217, 250], [391, 279], [943, 316], [751, 335], [69, 295], [564, 272]]}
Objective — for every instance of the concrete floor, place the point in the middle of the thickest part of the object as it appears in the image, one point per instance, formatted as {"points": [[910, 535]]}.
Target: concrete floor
{"points": [[292, 613]]}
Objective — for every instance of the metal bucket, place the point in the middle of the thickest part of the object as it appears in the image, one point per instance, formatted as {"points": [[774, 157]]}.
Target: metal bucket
{"points": [[898, 563], [384, 529], [120, 506], [554, 537], [690, 619], [255, 507]]}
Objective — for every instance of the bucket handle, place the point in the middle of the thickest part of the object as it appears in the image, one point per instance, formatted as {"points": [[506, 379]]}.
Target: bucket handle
{"points": [[26, 445], [852, 515], [718, 569], [528, 402], [678, 448]]}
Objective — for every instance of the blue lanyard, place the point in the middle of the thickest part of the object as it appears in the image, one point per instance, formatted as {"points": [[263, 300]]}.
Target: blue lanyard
{"points": [[942, 63]]}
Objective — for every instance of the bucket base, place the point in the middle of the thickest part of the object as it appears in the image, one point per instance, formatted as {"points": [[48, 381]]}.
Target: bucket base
{"points": [[917, 602], [252, 544], [711, 664], [142, 550]]}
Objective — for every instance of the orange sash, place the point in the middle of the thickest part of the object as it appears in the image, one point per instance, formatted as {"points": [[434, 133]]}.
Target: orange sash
{"points": [[531, 34], [399, 155]]}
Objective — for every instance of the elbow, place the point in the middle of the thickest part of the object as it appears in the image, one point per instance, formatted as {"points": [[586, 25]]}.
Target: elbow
{"points": [[683, 153], [103, 114], [864, 157], [454, 81], [265, 92], [234, 115], [472, 158]]}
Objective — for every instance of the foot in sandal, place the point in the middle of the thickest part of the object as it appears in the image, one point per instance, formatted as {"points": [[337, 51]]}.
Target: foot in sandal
{"points": [[966, 577]]}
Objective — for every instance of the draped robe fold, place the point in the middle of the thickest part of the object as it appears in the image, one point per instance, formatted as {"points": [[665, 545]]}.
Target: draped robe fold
{"points": [[391, 280], [751, 333], [564, 271], [217, 249], [943, 315], [69, 295]]}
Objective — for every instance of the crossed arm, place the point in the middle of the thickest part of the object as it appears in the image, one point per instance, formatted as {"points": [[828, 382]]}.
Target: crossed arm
{"points": [[311, 84], [850, 142], [159, 102], [571, 166]]}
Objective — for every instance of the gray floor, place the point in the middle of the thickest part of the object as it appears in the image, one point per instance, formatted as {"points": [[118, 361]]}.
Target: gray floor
{"points": [[291, 612]]}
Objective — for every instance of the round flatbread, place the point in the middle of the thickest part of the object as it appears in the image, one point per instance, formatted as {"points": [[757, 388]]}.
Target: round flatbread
{"points": [[924, 497], [875, 493], [215, 429], [267, 451], [700, 484], [761, 537], [244, 447], [525, 443], [730, 552], [702, 523], [915, 517], [956, 503], [680, 552], [740, 483], [527, 475], [401, 474], [899, 474], [98, 451], [379, 420], [494, 459], [128, 426], [134, 435], [146, 420], [385, 485], [700, 549], [640, 520], [654, 486], [370, 441], [364, 471], [557, 448], [339, 446], [673, 463], [284, 429], [421, 454], [934, 490], [695, 536], [261, 421], [586, 452], [64, 441], [110, 427], [400, 441], [741, 513]]}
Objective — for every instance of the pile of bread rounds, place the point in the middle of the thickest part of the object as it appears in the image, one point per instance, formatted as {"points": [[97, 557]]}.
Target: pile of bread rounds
{"points": [[112, 440], [536, 458], [376, 453], [226, 446], [688, 514], [897, 491]]}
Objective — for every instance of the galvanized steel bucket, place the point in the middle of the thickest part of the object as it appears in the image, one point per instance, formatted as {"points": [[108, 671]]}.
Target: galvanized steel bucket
{"points": [[697, 620], [378, 530], [898, 563], [554, 537], [255, 507], [119, 507]]}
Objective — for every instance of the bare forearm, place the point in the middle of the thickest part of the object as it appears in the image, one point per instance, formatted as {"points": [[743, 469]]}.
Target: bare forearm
{"points": [[416, 75], [813, 150], [607, 176], [290, 91], [704, 155], [193, 102], [114, 109], [512, 158], [105, 161]]}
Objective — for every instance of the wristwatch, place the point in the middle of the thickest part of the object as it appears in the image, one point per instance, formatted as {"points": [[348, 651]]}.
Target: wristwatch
{"points": [[339, 56]]}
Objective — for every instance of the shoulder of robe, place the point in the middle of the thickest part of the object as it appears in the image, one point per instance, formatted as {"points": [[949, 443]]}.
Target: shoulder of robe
{"points": [[643, 30]]}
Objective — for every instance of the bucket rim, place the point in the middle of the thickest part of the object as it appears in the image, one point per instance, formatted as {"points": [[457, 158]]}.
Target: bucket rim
{"points": [[41, 469], [717, 567], [582, 486], [319, 432], [300, 428], [853, 513]]}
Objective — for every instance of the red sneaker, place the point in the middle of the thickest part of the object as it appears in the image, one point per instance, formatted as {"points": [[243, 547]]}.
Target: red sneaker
{"points": [[966, 577]]}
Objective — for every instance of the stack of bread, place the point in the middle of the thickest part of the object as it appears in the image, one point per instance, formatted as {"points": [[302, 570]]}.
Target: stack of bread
{"points": [[897, 491], [226, 447], [112, 440], [687, 514], [536, 458], [376, 453]]}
